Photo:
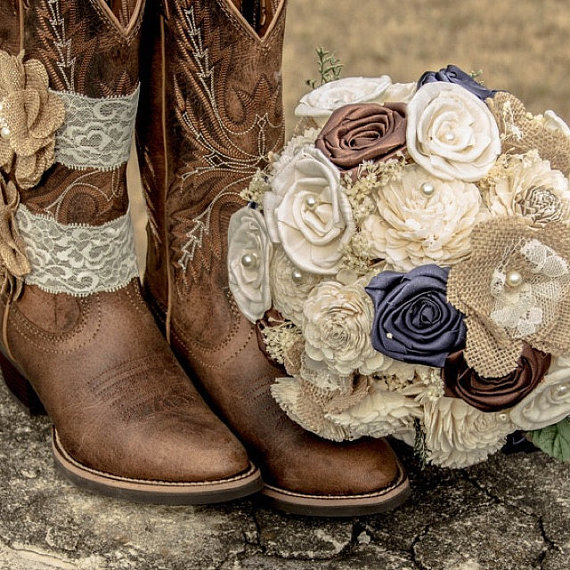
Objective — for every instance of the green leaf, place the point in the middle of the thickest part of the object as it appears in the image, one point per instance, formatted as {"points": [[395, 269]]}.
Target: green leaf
{"points": [[554, 440]]}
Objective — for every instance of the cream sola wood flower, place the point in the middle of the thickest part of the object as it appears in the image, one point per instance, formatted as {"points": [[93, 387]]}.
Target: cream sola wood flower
{"points": [[527, 186], [30, 114], [290, 286], [421, 219], [337, 320], [458, 435], [393, 404]]}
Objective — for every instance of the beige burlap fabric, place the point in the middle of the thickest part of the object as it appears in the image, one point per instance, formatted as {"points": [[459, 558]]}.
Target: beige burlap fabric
{"points": [[499, 316], [14, 264], [30, 114], [521, 132], [308, 398]]}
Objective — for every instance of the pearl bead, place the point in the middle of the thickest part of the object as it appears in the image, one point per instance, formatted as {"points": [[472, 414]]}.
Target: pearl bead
{"points": [[562, 390], [503, 417], [514, 279], [311, 202], [389, 335], [449, 137], [297, 276], [5, 132], [249, 260], [427, 188]]}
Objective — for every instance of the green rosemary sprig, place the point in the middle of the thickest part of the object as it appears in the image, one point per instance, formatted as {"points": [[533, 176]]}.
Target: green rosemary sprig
{"points": [[330, 68]]}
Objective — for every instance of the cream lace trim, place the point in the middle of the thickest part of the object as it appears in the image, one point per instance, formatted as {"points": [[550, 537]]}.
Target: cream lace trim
{"points": [[77, 259], [97, 133], [525, 309]]}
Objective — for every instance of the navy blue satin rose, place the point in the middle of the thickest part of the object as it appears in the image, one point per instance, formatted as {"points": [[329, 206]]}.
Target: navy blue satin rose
{"points": [[413, 321], [452, 74]]}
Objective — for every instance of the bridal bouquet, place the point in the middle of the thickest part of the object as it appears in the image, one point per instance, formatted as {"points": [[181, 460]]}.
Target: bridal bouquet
{"points": [[406, 259]]}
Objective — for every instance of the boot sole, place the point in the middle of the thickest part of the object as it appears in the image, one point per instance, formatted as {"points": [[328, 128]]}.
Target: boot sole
{"points": [[382, 501], [155, 492]]}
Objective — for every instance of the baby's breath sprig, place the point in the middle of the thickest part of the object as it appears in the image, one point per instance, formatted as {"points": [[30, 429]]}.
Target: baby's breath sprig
{"points": [[369, 179], [279, 339], [356, 255], [330, 68], [258, 186]]}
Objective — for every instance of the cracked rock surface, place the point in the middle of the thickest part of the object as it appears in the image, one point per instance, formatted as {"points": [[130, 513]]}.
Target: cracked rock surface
{"points": [[512, 512]]}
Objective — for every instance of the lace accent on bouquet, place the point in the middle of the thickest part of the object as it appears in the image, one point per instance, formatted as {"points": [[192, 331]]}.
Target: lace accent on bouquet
{"points": [[523, 311], [78, 259], [97, 133]]}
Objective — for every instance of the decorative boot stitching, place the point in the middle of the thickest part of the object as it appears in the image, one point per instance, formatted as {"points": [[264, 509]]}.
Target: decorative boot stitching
{"points": [[238, 162], [83, 333], [152, 397]]}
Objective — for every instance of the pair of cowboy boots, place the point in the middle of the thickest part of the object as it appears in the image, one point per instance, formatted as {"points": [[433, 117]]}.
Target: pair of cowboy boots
{"points": [[78, 339]]}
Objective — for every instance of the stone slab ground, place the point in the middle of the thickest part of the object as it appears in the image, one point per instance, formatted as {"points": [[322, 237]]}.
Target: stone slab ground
{"points": [[511, 513]]}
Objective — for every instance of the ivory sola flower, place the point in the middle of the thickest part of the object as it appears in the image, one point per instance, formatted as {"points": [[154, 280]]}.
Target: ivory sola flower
{"points": [[421, 219], [30, 114], [458, 435]]}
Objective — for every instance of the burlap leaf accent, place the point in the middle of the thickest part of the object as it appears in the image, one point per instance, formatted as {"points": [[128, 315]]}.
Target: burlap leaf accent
{"points": [[307, 401], [521, 132], [499, 316], [14, 264], [30, 115]]}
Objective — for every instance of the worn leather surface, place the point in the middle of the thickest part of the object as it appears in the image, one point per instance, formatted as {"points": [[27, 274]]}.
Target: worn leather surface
{"points": [[110, 383], [217, 85]]}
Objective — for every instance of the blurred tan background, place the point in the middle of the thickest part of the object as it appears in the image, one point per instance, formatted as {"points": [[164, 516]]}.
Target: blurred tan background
{"points": [[522, 46]]}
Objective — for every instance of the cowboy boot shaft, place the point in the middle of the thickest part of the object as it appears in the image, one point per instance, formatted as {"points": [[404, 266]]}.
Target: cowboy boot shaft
{"points": [[220, 92], [217, 87], [87, 51]]}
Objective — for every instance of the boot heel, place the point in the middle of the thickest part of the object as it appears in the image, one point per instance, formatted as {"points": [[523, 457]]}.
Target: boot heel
{"points": [[20, 388]]}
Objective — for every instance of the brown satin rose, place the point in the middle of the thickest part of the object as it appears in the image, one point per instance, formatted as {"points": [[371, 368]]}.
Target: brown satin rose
{"points": [[494, 394], [365, 131]]}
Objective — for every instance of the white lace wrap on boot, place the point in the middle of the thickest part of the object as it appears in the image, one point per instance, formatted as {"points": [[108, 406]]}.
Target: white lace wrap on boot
{"points": [[97, 133], [77, 259]]}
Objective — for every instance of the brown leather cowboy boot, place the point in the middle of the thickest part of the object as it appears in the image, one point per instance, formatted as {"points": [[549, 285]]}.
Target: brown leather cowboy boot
{"points": [[127, 421], [211, 112]]}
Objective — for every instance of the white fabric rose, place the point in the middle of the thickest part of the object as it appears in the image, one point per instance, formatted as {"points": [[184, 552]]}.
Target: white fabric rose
{"points": [[290, 286], [336, 326], [308, 212], [458, 435], [421, 219], [549, 402], [553, 122], [525, 185], [323, 100], [398, 93], [293, 147], [451, 132], [382, 413], [249, 254]]}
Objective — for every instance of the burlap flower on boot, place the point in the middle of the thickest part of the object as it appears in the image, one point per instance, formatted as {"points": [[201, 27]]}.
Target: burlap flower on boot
{"points": [[515, 287], [14, 264], [29, 116]]}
